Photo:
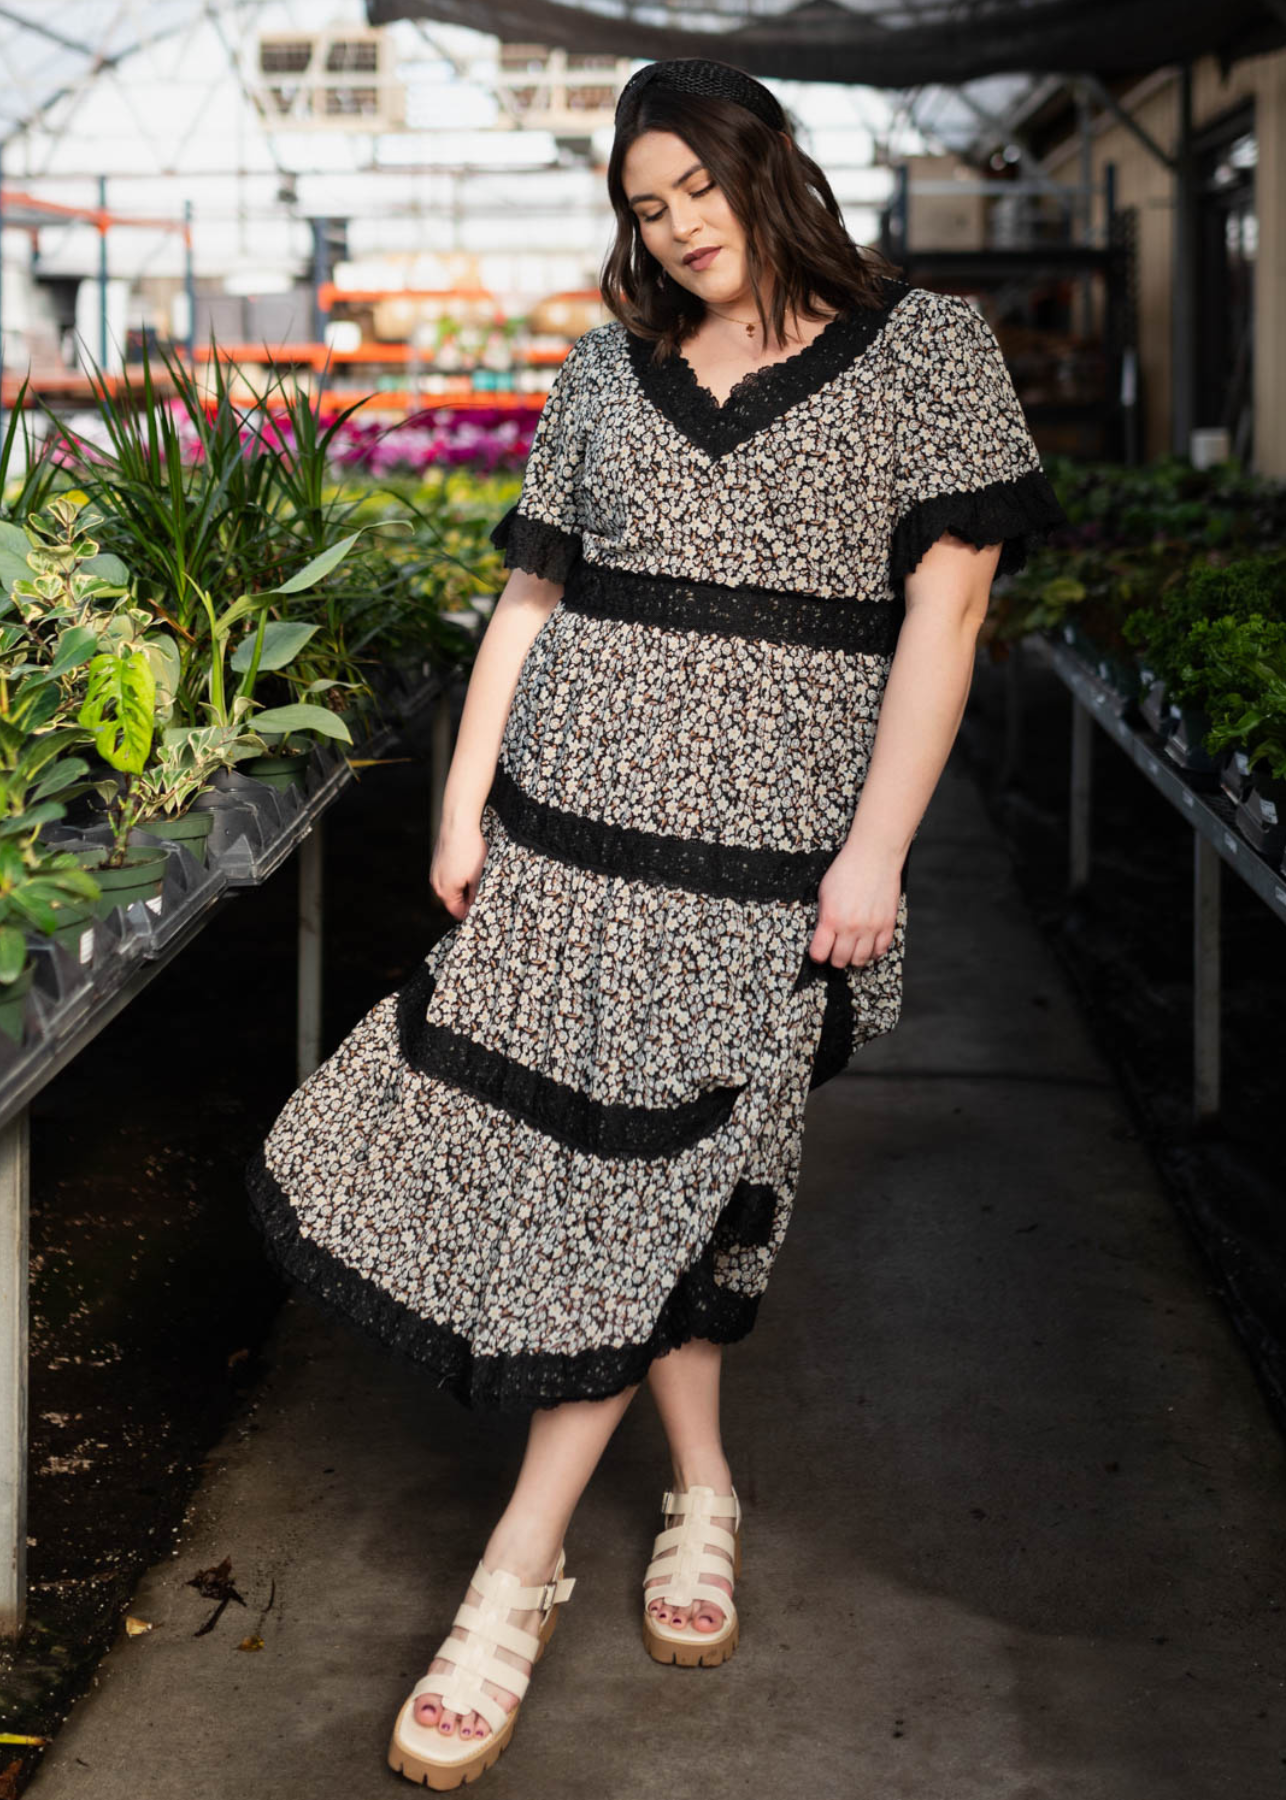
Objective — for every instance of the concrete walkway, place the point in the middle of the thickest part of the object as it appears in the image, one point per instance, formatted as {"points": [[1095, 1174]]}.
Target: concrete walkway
{"points": [[1015, 1511]]}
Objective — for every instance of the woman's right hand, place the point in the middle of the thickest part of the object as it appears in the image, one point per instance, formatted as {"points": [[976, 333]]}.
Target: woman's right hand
{"points": [[457, 863]]}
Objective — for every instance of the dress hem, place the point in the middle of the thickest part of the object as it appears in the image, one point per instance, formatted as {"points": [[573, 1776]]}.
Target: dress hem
{"points": [[520, 1382]]}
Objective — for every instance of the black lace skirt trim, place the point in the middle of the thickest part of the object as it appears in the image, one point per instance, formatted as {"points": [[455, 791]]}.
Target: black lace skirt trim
{"points": [[530, 544], [600, 1128], [1018, 515], [701, 867], [865, 627], [697, 1307]]}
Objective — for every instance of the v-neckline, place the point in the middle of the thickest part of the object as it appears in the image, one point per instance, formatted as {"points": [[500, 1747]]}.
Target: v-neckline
{"points": [[751, 376], [761, 396]]}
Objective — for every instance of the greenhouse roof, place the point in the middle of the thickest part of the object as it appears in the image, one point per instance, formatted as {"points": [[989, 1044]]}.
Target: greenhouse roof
{"points": [[882, 43]]}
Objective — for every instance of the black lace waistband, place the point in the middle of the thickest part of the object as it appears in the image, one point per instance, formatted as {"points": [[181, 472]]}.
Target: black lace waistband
{"points": [[865, 627]]}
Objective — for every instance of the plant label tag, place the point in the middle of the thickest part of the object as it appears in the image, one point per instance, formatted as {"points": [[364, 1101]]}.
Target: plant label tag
{"points": [[86, 948], [1268, 810]]}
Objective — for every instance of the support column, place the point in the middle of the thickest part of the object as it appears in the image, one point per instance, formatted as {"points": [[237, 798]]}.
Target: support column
{"points": [[309, 1018], [1207, 866], [1078, 845], [14, 1261]]}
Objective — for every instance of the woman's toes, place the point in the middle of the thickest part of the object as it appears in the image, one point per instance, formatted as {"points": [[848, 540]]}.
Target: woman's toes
{"points": [[426, 1710], [480, 1726], [679, 1616], [447, 1723], [707, 1617]]}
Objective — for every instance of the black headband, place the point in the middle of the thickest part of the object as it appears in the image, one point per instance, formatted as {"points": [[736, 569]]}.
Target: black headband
{"points": [[694, 75]]}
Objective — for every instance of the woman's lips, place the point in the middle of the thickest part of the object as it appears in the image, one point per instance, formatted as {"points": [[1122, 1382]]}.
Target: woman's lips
{"points": [[705, 259]]}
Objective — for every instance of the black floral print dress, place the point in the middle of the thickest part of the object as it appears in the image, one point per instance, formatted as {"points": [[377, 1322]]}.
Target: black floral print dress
{"points": [[571, 1140]]}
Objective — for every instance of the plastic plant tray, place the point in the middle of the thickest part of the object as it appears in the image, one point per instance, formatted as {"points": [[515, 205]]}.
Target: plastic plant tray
{"points": [[257, 826]]}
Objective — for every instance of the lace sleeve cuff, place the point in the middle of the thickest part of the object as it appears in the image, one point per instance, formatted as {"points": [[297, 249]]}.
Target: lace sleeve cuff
{"points": [[1017, 514], [530, 544]]}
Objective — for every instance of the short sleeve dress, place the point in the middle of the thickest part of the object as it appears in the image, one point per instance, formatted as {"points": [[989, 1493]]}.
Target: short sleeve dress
{"points": [[571, 1140]]}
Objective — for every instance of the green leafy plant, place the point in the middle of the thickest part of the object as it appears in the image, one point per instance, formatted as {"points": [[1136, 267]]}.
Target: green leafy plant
{"points": [[1236, 590], [34, 884], [1255, 720]]}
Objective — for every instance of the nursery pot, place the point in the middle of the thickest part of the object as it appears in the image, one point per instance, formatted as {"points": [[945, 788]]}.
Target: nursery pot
{"points": [[189, 828], [276, 770], [1118, 675], [140, 878], [13, 1003], [1154, 706], [1185, 743], [1261, 813], [76, 918], [1235, 773]]}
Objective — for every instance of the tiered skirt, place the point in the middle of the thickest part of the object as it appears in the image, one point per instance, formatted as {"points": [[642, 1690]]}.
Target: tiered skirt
{"points": [[571, 1140]]}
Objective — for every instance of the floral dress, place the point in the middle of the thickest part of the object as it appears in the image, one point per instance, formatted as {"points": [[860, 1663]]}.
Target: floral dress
{"points": [[571, 1140]]}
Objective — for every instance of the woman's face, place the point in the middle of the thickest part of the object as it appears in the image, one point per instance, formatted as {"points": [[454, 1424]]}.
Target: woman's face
{"points": [[680, 210]]}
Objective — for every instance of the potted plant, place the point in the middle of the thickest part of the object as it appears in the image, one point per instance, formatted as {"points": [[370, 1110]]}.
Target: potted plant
{"points": [[37, 888], [1250, 714], [1165, 631]]}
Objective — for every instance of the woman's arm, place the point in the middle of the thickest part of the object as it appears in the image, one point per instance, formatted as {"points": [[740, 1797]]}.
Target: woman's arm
{"points": [[920, 713], [524, 604]]}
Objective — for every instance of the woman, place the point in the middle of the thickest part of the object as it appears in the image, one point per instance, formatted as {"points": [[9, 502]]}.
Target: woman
{"points": [[760, 518]]}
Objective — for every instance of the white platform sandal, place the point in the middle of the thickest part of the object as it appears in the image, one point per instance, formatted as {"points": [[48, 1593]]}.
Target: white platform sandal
{"points": [[683, 1567], [429, 1757]]}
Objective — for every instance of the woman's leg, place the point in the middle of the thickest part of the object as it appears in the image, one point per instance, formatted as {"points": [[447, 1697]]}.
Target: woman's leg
{"points": [[685, 1386], [564, 1445]]}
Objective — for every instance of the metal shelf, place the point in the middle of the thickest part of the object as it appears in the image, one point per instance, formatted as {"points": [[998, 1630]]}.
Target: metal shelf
{"points": [[1210, 813]]}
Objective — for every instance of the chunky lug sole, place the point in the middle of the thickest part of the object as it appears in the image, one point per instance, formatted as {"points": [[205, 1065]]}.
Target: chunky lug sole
{"points": [[441, 1773], [689, 1649]]}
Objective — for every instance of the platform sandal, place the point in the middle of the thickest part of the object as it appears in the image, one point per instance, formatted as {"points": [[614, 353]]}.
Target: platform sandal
{"points": [[687, 1560], [428, 1756]]}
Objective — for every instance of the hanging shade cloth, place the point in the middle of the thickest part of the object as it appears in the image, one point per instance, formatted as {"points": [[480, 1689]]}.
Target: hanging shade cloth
{"points": [[895, 46]]}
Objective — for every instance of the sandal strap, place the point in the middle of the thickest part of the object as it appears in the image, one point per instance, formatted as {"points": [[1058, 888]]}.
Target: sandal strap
{"points": [[695, 1590], [703, 1503], [678, 1556], [460, 1691], [705, 1533], [511, 1637], [500, 1584], [473, 1659]]}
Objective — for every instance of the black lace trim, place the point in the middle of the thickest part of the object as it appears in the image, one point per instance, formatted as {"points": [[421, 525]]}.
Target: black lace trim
{"points": [[748, 1216], [530, 544], [693, 863], [864, 627], [602, 1128], [835, 1043], [761, 395], [697, 1307], [1018, 515]]}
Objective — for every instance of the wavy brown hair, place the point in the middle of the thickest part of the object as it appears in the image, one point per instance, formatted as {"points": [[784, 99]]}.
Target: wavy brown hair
{"points": [[783, 202]]}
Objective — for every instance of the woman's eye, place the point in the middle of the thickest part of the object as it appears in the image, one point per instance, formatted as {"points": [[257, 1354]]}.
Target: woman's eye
{"points": [[694, 194]]}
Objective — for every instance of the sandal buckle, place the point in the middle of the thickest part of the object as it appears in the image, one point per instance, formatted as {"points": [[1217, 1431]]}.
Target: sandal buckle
{"points": [[548, 1594]]}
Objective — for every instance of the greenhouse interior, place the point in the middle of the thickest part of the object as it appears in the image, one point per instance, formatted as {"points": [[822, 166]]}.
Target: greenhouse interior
{"points": [[293, 300]]}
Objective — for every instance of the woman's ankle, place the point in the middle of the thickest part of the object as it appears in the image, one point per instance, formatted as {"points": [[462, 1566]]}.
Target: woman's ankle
{"points": [[527, 1547], [702, 1468]]}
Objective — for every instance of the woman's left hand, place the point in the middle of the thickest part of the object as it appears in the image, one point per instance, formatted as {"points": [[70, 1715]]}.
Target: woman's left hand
{"points": [[857, 904]]}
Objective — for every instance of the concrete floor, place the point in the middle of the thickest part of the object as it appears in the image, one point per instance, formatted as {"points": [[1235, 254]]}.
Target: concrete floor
{"points": [[1015, 1510]]}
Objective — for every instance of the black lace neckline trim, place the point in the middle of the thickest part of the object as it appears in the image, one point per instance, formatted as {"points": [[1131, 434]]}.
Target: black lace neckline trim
{"points": [[760, 396]]}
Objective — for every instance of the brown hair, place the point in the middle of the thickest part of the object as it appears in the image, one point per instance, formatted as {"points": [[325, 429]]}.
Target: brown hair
{"points": [[780, 197]]}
